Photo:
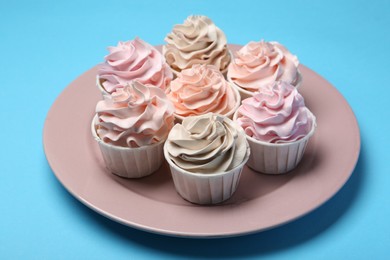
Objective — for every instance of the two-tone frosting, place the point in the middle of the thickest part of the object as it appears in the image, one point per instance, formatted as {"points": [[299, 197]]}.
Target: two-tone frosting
{"points": [[258, 64], [134, 115], [197, 41], [134, 60], [276, 114], [207, 144], [200, 90]]}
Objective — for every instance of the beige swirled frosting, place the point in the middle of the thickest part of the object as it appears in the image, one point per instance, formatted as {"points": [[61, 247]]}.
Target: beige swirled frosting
{"points": [[197, 41], [207, 144]]}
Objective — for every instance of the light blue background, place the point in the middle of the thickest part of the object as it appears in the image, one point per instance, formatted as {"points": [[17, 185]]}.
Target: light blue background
{"points": [[44, 45]]}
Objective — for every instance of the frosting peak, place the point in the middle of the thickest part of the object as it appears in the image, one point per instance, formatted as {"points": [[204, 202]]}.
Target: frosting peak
{"points": [[197, 41], [258, 64], [276, 114], [207, 144], [134, 115], [202, 89], [134, 60]]}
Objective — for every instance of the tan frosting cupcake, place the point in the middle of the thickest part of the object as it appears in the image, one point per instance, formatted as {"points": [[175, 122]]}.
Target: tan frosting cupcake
{"points": [[206, 155], [197, 41], [202, 89]]}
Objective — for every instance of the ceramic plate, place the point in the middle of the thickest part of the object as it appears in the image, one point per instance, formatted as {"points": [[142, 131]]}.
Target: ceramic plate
{"points": [[152, 204]]}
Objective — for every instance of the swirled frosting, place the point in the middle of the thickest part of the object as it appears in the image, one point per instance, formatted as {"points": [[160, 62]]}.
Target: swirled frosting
{"points": [[258, 64], [207, 144], [201, 89], [134, 60], [134, 115], [276, 114], [197, 41]]}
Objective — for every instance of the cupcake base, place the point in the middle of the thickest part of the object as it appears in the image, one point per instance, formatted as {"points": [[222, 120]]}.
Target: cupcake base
{"points": [[205, 189], [130, 162]]}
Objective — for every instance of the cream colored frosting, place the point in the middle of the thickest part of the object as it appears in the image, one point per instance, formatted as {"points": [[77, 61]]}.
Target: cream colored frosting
{"points": [[258, 64], [134, 115], [197, 41], [207, 144], [276, 114], [134, 60], [201, 89]]}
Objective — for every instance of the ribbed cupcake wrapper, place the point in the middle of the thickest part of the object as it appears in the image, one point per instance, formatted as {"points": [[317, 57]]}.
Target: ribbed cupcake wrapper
{"points": [[207, 189], [276, 159], [130, 162], [203, 188]]}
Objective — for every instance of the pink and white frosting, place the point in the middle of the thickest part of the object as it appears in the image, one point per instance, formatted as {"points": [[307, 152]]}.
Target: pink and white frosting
{"points": [[134, 60], [200, 90], [276, 114], [197, 41], [258, 64], [134, 115]]}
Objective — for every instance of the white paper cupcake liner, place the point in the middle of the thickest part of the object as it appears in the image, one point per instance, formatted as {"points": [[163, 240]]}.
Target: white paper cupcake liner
{"points": [[202, 188], [130, 162], [237, 96], [277, 158], [246, 93]]}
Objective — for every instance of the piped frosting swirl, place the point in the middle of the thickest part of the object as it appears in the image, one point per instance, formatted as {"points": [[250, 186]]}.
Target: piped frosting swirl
{"points": [[134, 115], [197, 41], [134, 60], [275, 114], [258, 64], [207, 144]]}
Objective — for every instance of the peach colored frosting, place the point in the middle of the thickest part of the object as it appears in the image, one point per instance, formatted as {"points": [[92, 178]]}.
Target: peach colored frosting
{"points": [[134, 115], [258, 64], [197, 41], [201, 89], [207, 144], [276, 114], [134, 60]]}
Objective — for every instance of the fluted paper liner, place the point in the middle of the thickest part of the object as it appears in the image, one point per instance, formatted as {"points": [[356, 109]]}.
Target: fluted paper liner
{"points": [[130, 162], [204, 188], [277, 158]]}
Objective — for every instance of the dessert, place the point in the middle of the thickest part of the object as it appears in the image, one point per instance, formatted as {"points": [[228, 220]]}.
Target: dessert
{"points": [[258, 64], [206, 155], [277, 125], [200, 90], [131, 126], [197, 41], [133, 60]]}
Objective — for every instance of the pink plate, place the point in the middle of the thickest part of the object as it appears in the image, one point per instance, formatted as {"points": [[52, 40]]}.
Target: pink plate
{"points": [[152, 204]]}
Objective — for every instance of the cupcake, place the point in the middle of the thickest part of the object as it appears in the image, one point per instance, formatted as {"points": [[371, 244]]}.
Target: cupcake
{"points": [[206, 155], [197, 41], [259, 64], [200, 90], [278, 127], [131, 126], [133, 60]]}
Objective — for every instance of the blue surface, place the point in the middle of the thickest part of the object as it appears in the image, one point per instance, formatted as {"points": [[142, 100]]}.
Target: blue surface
{"points": [[46, 44]]}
